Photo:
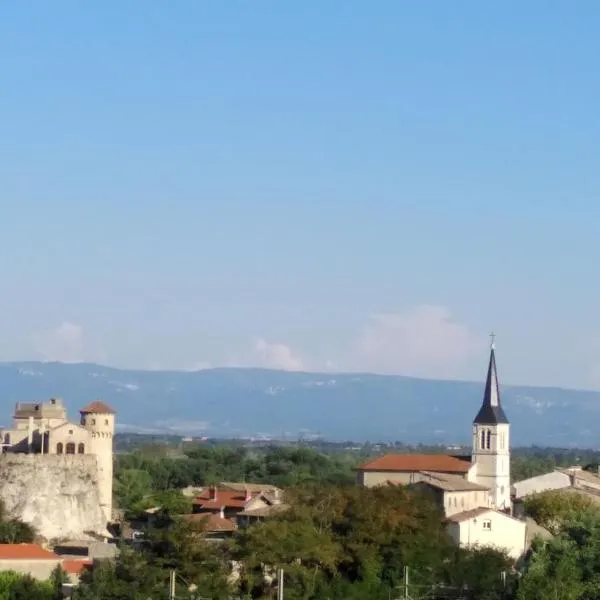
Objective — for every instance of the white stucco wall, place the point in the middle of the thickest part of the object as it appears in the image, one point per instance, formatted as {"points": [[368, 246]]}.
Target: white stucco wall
{"points": [[541, 483], [456, 502], [493, 463], [503, 533]]}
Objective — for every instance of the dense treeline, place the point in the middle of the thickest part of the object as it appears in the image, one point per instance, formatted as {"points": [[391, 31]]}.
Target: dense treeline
{"points": [[151, 470], [334, 542], [154, 471]]}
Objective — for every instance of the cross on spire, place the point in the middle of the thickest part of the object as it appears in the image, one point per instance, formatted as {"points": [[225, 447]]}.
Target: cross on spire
{"points": [[493, 340]]}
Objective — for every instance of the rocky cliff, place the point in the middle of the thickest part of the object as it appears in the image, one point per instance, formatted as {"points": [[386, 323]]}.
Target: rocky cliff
{"points": [[58, 495]]}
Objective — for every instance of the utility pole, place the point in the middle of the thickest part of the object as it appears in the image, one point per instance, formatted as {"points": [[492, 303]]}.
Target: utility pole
{"points": [[406, 596], [172, 585], [280, 584]]}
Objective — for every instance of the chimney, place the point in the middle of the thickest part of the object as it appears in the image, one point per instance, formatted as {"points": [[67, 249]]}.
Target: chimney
{"points": [[213, 492], [222, 512], [276, 496], [248, 495]]}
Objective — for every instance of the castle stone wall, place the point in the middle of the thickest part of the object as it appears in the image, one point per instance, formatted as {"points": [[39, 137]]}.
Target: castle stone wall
{"points": [[57, 494]]}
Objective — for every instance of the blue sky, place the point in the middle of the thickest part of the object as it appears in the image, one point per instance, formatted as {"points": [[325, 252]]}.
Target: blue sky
{"points": [[302, 185]]}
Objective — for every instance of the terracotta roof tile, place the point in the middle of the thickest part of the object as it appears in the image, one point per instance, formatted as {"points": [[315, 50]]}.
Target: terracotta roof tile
{"points": [[213, 523], [441, 463], [25, 552], [224, 499], [97, 407], [75, 567]]}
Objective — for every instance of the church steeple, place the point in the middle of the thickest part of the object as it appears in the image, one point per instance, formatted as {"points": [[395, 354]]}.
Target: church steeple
{"points": [[491, 412]]}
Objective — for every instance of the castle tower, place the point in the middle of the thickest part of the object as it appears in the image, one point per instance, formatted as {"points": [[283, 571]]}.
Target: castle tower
{"points": [[491, 441], [99, 419]]}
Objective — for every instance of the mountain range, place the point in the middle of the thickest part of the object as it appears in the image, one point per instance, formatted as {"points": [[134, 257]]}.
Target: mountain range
{"points": [[246, 402]]}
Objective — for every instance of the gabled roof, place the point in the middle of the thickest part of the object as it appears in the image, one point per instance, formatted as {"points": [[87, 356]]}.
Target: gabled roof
{"points": [[224, 499], [491, 412], [97, 407], [266, 511], [443, 463], [212, 523], [474, 513], [451, 483], [253, 488], [25, 552], [75, 567]]}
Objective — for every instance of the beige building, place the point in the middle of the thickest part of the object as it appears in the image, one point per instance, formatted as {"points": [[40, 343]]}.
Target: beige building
{"points": [[44, 429], [37, 562]]}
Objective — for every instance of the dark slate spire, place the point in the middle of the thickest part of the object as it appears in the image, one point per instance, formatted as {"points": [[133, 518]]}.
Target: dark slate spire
{"points": [[491, 412]]}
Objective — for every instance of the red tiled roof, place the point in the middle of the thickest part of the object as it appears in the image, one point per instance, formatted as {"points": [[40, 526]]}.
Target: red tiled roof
{"points": [[97, 407], [74, 567], [213, 523], [441, 463], [25, 552], [225, 499]]}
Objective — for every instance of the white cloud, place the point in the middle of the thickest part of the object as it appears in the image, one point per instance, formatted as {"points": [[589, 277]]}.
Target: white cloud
{"points": [[63, 343], [276, 356], [424, 342]]}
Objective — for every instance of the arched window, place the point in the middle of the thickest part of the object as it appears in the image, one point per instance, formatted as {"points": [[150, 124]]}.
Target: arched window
{"points": [[81, 448], [482, 442], [489, 439], [59, 448], [70, 448]]}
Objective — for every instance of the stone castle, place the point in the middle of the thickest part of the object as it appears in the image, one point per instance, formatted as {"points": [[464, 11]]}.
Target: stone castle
{"points": [[44, 432]]}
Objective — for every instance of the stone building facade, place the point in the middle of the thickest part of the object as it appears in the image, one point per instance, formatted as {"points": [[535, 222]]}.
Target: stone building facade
{"points": [[44, 429]]}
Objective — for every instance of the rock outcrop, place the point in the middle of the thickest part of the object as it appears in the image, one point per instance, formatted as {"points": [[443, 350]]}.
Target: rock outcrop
{"points": [[57, 494]]}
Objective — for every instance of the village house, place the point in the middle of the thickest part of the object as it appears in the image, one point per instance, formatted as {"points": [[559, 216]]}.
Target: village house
{"points": [[242, 502], [473, 491], [572, 480], [39, 563]]}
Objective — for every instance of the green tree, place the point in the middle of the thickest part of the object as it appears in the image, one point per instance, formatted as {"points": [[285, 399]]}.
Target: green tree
{"points": [[553, 509]]}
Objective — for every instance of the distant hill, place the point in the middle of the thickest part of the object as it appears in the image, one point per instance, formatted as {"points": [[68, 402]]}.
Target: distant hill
{"points": [[256, 402]]}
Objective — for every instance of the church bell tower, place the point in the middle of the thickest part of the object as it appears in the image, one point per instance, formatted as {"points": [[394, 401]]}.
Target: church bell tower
{"points": [[491, 441]]}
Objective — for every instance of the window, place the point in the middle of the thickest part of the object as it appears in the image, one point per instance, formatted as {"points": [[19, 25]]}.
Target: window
{"points": [[462, 502], [81, 449], [59, 448], [7, 438], [489, 439], [70, 432], [93, 421], [482, 442], [70, 448], [106, 421], [487, 525]]}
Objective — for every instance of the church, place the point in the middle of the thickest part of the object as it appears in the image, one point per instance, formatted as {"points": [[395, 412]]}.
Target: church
{"points": [[474, 491]]}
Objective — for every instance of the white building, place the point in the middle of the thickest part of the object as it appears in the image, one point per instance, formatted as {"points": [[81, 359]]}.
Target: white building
{"points": [[486, 527]]}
